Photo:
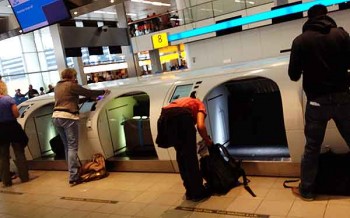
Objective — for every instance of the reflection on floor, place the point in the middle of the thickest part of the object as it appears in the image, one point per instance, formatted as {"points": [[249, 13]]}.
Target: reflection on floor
{"points": [[155, 195]]}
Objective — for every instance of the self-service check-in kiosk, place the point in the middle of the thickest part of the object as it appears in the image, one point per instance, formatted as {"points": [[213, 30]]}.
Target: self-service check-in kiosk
{"points": [[117, 125]]}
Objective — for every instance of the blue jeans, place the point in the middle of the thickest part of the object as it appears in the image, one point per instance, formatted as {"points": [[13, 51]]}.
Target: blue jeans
{"points": [[318, 113], [69, 132]]}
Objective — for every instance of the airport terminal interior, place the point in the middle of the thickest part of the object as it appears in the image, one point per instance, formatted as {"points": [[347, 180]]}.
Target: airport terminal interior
{"points": [[233, 54]]}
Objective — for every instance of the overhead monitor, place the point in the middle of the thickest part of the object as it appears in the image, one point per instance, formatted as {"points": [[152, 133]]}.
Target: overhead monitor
{"points": [[34, 14]]}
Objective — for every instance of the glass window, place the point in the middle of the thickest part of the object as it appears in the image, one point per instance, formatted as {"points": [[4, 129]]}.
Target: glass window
{"points": [[28, 43], [38, 41], [221, 7], [201, 12], [50, 78], [10, 48], [17, 82], [36, 80], [46, 38], [32, 62], [42, 60]]}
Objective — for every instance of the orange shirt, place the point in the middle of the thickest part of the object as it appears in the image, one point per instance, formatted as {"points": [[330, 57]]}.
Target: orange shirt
{"points": [[195, 105]]}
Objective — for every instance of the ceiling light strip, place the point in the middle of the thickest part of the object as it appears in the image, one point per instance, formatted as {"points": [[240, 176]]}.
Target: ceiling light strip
{"points": [[251, 19]]}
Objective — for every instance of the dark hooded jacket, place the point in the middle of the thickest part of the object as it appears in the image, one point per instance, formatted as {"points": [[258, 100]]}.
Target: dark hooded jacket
{"points": [[322, 54]]}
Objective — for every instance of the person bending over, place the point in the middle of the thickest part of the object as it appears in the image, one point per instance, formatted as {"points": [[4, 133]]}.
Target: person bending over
{"points": [[177, 127]]}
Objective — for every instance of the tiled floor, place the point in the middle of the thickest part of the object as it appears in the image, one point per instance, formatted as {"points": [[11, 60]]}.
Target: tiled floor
{"points": [[155, 195]]}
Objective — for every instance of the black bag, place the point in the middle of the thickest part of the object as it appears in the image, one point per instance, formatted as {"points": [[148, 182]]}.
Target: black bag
{"points": [[222, 171], [333, 177], [12, 132], [58, 147]]}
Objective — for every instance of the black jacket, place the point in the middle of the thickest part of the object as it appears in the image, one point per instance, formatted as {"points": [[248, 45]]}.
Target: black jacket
{"points": [[322, 54]]}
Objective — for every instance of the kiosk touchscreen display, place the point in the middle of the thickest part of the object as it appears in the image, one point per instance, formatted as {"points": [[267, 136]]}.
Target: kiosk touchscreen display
{"points": [[86, 107], [22, 109], [181, 91]]}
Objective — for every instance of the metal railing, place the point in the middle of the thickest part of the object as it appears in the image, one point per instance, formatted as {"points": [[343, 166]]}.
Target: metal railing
{"points": [[190, 15]]}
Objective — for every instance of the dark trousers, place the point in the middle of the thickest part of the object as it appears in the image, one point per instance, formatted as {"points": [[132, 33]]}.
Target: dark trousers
{"points": [[318, 112], [177, 127]]}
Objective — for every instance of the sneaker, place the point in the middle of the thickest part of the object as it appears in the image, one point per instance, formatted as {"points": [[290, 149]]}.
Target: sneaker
{"points": [[306, 196]]}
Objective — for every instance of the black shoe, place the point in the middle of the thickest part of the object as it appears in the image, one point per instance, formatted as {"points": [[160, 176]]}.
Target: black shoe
{"points": [[202, 197], [74, 183], [5, 185], [306, 196]]}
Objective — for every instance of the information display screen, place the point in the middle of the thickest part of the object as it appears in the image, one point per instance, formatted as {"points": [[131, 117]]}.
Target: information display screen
{"points": [[35, 14]]}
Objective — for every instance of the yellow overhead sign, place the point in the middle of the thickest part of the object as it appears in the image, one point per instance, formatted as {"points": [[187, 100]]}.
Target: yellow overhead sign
{"points": [[160, 40]]}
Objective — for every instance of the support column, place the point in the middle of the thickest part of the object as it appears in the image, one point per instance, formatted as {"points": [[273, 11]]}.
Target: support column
{"points": [[126, 50], [79, 67], [155, 61], [58, 48]]}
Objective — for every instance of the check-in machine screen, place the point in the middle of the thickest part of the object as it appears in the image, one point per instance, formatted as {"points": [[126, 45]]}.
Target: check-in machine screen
{"points": [[86, 106], [22, 109], [181, 91]]}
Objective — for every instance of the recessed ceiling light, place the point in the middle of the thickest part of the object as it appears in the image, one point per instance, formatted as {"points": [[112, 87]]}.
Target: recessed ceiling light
{"points": [[75, 13]]}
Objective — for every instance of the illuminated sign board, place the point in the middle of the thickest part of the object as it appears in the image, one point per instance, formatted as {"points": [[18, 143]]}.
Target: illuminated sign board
{"points": [[160, 40]]}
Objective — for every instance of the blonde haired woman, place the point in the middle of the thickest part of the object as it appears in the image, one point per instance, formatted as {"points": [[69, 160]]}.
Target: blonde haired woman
{"points": [[11, 133], [66, 117]]}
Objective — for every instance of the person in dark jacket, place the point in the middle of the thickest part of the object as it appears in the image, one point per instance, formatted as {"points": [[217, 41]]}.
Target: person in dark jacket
{"points": [[66, 117], [322, 55], [177, 127], [32, 92]]}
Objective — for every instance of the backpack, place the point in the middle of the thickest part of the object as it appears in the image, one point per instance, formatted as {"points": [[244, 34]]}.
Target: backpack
{"points": [[94, 169], [222, 171], [333, 175]]}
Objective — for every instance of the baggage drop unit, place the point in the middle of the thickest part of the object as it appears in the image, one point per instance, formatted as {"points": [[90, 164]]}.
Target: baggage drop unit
{"points": [[253, 109]]}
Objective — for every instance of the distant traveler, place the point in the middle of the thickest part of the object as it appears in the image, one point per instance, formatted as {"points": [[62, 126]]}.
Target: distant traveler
{"points": [[176, 127], [32, 92], [11, 133], [321, 54], [51, 89], [66, 117], [42, 91]]}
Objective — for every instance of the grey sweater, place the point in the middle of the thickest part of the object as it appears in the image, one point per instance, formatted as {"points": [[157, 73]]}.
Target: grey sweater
{"points": [[67, 95]]}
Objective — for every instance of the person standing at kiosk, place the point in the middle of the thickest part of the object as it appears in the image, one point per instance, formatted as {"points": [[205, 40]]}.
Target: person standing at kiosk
{"points": [[322, 55], [66, 117]]}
